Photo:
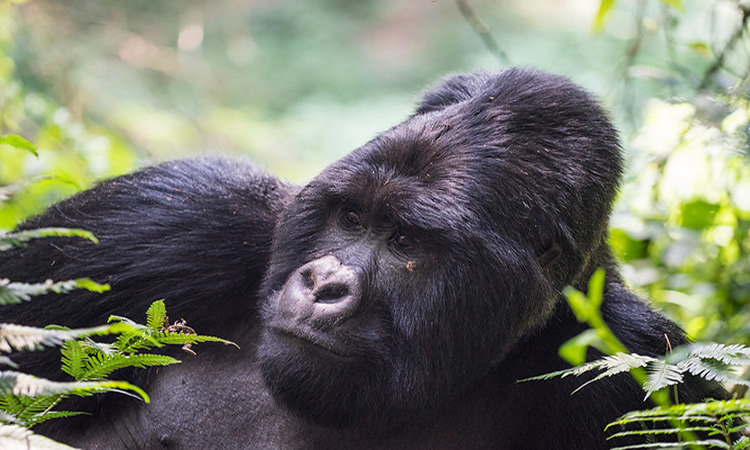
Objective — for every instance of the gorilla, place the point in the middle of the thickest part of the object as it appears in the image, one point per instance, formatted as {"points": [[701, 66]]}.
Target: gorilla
{"points": [[392, 302]]}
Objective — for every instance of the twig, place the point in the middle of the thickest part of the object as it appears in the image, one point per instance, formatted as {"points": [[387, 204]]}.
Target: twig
{"points": [[719, 62], [483, 31]]}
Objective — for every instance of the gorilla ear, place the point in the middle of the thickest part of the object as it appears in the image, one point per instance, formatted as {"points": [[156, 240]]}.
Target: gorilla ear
{"points": [[452, 90], [549, 255]]}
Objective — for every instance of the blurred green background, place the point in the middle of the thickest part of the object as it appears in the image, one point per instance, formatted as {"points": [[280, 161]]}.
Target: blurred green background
{"points": [[102, 88]]}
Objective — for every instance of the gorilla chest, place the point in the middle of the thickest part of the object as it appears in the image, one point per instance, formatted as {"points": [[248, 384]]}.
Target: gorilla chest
{"points": [[217, 399]]}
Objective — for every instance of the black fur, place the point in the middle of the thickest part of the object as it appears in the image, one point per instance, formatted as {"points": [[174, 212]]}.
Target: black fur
{"points": [[407, 287]]}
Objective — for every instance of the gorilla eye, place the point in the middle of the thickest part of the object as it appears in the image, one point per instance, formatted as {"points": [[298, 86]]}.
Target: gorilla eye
{"points": [[351, 218], [402, 242]]}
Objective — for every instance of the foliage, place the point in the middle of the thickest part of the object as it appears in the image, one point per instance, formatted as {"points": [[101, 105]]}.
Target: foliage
{"points": [[687, 245], [19, 238], [720, 421], [28, 400], [691, 423], [708, 361], [17, 437], [682, 226]]}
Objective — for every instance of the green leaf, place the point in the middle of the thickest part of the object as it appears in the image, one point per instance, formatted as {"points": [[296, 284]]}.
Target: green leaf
{"points": [[103, 366], [661, 375], [574, 350], [73, 359], [49, 415], [21, 384], [14, 292], [701, 48], [181, 339], [5, 361], [694, 411], [19, 337], [617, 364], [14, 436], [705, 443], [604, 7], [156, 316], [698, 214], [18, 142], [20, 238]]}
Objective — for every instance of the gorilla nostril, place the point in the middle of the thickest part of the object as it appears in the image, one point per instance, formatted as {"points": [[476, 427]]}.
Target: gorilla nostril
{"points": [[331, 293], [307, 278]]}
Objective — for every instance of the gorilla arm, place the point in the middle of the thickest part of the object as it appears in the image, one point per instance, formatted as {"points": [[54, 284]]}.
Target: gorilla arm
{"points": [[194, 232]]}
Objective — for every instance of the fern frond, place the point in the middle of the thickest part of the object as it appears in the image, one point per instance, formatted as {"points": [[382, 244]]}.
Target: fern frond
{"points": [[733, 355], [660, 375], [102, 366], [694, 429], [156, 315], [12, 292], [612, 365], [11, 404], [181, 339], [73, 359], [21, 337], [705, 443], [710, 369], [575, 371], [20, 238], [7, 417], [18, 142], [5, 361], [49, 415], [32, 410], [16, 437], [21, 384], [617, 364], [708, 411]]}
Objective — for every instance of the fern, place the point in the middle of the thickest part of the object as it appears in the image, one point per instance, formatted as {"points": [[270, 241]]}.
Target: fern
{"points": [[21, 384], [18, 142], [20, 238], [706, 361], [19, 337], [156, 316], [14, 292], [661, 375], [716, 419], [26, 400], [102, 365], [14, 436]]}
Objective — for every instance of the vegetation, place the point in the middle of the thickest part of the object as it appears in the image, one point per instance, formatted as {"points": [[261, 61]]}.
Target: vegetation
{"points": [[26, 400], [102, 88]]}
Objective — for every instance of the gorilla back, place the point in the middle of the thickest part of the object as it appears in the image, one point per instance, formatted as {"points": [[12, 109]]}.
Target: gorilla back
{"points": [[407, 287]]}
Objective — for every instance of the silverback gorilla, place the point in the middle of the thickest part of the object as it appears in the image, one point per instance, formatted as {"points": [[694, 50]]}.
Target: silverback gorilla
{"points": [[392, 302]]}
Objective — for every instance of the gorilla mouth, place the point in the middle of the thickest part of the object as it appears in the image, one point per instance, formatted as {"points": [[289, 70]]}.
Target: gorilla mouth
{"points": [[302, 338]]}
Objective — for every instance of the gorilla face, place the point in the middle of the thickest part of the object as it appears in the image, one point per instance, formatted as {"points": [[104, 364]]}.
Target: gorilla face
{"points": [[406, 270]]}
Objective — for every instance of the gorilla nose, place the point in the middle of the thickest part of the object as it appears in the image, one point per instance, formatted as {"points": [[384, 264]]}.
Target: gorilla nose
{"points": [[322, 293]]}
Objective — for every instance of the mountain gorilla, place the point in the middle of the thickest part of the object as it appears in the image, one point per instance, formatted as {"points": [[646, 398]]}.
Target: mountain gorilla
{"points": [[406, 288]]}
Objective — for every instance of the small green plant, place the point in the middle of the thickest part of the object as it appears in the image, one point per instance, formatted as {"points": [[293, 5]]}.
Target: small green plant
{"points": [[713, 424], [27, 400]]}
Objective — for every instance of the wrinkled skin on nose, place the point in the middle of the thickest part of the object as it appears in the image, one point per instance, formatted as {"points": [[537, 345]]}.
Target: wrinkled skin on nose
{"points": [[321, 294]]}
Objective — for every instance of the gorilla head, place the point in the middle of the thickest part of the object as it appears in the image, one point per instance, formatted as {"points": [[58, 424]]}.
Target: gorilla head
{"points": [[408, 269]]}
